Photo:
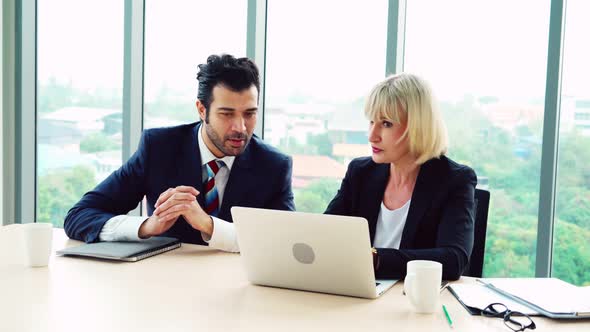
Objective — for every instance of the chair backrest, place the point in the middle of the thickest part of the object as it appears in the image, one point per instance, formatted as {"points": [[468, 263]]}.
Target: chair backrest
{"points": [[482, 205]]}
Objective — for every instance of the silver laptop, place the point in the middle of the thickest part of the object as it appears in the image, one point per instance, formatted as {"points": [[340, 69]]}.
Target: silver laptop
{"points": [[307, 251]]}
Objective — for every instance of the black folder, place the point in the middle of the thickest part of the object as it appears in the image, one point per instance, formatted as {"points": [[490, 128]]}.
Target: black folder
{"points": [[123, 251]]}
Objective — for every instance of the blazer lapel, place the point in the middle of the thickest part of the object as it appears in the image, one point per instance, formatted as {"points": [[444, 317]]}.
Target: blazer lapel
{"points": [[239, 184], [189, 170], [426, 185], [373, 196]]}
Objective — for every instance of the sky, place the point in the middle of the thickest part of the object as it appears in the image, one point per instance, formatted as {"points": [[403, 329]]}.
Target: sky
{"points": [[81, 42], [331, 50], [494, 47]]}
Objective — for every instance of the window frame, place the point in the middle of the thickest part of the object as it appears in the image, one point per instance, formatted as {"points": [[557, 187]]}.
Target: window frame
{"points": [[19, 102]]}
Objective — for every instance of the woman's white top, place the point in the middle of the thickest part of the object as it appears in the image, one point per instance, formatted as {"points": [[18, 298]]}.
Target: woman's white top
{"points": [[390, 226]]}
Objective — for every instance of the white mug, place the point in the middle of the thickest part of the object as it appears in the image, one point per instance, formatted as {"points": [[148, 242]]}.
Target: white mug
{"points": [[37, 241], [422, 285]]}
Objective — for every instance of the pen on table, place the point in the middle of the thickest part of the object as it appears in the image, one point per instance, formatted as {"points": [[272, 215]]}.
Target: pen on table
{"points": [[448, 316]]}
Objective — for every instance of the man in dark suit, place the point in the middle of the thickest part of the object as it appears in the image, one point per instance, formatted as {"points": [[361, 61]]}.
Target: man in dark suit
{"points": [[191, 175]]}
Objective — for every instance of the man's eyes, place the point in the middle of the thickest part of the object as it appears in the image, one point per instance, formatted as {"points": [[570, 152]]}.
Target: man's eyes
{"points": [[230, 114]]}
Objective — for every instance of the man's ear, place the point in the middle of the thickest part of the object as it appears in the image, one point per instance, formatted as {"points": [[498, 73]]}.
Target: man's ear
{"points": [[202, 110]]}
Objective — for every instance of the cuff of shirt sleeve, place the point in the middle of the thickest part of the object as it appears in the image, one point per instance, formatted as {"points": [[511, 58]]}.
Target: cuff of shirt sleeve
{"points": [[122, 228], [223, 237], [130, 228]]}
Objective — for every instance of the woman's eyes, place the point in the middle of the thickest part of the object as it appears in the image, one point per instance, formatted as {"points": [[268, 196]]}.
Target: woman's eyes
{"points": [[384, 123]]}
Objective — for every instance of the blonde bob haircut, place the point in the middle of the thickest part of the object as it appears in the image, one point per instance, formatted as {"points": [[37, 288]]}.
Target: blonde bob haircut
{"points": [[407, 97]]}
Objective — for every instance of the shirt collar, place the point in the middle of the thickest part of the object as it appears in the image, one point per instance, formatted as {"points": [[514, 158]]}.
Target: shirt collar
{"points": [[207, 155]]}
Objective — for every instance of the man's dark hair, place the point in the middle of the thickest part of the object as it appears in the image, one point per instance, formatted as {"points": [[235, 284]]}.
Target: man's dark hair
{"points": [[234, 74]]}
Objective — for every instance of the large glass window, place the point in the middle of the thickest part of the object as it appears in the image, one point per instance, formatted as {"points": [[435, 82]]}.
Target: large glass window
{"points": [[571, 253], [323, 57], [179, 35], [80, 79], [486, 62]]}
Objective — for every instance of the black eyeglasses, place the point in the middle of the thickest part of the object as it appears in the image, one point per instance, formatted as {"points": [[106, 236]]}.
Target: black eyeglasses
{"points": [[515, 320]]}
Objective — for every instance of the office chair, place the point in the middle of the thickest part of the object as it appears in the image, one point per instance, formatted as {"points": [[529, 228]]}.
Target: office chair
{"points": [[482, 204]]}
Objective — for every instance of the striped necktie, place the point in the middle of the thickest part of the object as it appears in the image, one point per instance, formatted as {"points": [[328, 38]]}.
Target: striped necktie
{"points": [[211, 195]]}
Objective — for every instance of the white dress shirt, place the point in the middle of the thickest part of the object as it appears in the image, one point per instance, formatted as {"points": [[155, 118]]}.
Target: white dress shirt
{"points": [[390, 226], [126, 228]]}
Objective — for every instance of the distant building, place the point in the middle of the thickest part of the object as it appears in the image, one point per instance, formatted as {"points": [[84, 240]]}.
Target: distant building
{"points": [[61, 132], [483, 182], [307, 168], [295, 122], [82, 118], [348, 131], [69, 125], [575, 115], [52, 132], [512, 116], [157, 122], [56, 158], [105, 163], [347, 152]]}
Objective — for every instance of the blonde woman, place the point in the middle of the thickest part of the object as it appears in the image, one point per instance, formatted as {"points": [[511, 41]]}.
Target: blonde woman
{"points": [[419, 203]]}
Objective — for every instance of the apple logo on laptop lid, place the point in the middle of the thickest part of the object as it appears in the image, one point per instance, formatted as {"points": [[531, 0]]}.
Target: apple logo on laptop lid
{"points": [[303, 253]]}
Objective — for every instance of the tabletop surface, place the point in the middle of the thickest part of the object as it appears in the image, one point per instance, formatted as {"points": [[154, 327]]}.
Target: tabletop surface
{"points": [[196, 288]]}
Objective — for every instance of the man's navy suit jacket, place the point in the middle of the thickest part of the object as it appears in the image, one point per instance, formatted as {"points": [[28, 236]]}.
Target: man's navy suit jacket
{"points": [[440, 221], [169, 157]]}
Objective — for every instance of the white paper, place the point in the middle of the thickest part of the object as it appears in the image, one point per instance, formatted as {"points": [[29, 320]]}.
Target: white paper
{"points": [[551, 294], [479, 296]]}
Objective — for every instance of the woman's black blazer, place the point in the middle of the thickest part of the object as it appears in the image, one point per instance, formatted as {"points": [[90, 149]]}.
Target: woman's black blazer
{"points": [[440, 221]]}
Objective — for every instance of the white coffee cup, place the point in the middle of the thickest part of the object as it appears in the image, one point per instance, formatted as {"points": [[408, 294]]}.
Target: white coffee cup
{"points": [[37, 243], [422, 285]]}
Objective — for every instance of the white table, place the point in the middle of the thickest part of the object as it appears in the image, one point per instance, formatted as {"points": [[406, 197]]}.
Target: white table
{"points": [[195, 288]]}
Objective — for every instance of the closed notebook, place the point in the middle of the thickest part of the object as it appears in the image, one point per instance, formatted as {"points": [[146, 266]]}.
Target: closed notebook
{"points": [[123, 251]]}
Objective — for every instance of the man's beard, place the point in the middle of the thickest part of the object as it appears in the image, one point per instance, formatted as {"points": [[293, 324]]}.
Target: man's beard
{"points": [[219, 142]]}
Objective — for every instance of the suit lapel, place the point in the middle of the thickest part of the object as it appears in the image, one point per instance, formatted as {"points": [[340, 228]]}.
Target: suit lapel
{"points": [[239, 184], [373, 196], [427, 184], [190, 171]]}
